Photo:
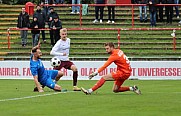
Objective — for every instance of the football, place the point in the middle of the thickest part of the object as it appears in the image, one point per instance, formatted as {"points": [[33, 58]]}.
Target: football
{"points": [[55, 62]]}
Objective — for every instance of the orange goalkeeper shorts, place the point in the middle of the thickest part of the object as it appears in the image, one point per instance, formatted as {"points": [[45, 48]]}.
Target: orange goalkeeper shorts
{"points": [[120, 75]]}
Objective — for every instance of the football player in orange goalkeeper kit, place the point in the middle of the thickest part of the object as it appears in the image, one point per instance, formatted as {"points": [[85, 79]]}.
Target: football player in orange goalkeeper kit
{"points": [[123, 72]]}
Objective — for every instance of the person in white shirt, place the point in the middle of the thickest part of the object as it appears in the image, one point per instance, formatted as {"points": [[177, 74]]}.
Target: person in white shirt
{"points": [[61, 50]]}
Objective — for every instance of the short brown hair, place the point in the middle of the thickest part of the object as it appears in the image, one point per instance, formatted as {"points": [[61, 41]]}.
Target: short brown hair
{"points": [[110, 44], [34, 49]]}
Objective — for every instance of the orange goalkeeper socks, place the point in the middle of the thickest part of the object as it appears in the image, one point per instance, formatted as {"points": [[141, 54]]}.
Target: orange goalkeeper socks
{"points": [[122, 89], [98, 84]]}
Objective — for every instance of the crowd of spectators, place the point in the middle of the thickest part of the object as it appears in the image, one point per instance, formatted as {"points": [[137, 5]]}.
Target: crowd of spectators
{"points": [[45, 15], [156, 12], [40, 20]]}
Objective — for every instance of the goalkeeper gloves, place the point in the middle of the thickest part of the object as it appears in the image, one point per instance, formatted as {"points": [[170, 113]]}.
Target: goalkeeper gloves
{"points": [[93, 74]]}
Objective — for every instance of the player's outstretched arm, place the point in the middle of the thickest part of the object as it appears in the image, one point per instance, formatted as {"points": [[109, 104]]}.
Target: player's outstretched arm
{"points": [[106, 64], [39, 45], [40, 89], [36, 47]]}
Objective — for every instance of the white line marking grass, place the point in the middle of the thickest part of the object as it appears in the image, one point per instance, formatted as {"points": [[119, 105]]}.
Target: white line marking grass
{"points": [[165, 92], [29, 97]]}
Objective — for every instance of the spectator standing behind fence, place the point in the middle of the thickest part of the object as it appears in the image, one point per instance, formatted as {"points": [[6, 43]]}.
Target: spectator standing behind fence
{"points": [[160, 11], [111, 11], [97, 9], [177, 8], [143, 10], [41, 20], [45, 8], [51, 1], [23, 22], [55, 26], [75, 9], [35, 33], [169, 11], [152, 10], [59, 1], [133, 1], [69, 1], [51, 17]]}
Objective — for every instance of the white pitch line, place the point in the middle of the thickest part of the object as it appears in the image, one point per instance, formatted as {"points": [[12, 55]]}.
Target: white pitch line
{"points": [[28, 97], [165, 92]]}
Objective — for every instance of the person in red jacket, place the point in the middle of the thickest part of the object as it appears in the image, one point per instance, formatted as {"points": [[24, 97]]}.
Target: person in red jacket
{"points": [[123, 72]]}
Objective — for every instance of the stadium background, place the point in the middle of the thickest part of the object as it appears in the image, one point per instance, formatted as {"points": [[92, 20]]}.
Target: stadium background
{"points": [[160, 97]]}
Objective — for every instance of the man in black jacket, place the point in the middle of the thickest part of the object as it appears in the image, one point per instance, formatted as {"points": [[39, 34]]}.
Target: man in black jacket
{"points": [[41, 20], [51, 15], [34, 25], [23, 22], [55, 26], [45, 8], [50, 18]]}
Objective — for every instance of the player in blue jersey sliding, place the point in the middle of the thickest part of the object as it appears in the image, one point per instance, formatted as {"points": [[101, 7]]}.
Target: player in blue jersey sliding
{"points": [[41, 75]]}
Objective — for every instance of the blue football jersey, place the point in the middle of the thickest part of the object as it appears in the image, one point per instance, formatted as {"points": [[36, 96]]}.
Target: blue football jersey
{"points": [[37, 68]]}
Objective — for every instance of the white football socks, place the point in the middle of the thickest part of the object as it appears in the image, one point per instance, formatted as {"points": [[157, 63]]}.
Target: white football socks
{"points": [[131, 88], [90, 90]]}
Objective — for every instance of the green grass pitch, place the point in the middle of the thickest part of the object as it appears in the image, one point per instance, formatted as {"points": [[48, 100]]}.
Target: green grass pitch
{"points": [[159, 98]]}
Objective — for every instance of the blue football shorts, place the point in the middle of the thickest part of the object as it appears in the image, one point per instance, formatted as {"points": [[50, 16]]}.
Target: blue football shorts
{"points": [[51, 76]]}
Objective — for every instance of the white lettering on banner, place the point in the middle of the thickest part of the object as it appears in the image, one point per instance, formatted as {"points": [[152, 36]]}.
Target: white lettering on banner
{"points": [[140, 69]]}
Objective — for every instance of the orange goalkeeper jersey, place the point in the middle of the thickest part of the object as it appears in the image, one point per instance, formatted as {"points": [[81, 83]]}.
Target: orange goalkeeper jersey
{"points": [[120, 59]]}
